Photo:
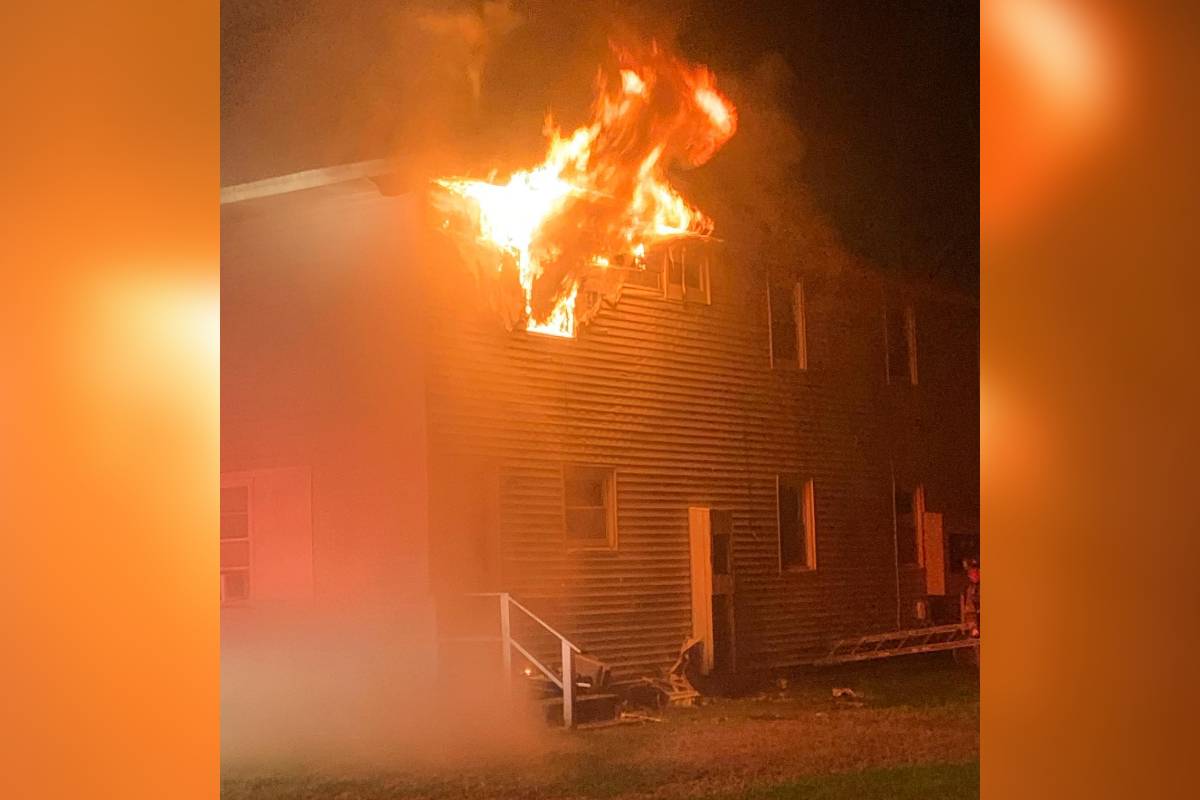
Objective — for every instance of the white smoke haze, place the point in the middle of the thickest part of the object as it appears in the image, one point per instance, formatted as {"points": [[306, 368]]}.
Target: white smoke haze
{"points": [[359, 690]]}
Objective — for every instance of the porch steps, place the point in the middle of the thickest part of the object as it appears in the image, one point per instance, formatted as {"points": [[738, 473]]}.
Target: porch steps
{"points": [[514, 644]]}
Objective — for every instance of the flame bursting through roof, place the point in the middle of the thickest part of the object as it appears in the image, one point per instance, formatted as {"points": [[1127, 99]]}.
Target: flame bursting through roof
{"points": [[601, 194]]}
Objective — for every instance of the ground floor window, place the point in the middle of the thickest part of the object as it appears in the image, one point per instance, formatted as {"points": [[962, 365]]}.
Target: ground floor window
{"points": [[589, 506], [797, 523], [910, 506], [235, 543]]}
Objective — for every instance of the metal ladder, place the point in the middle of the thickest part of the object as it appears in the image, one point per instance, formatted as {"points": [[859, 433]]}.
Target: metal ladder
{"points": [[900, 643]]}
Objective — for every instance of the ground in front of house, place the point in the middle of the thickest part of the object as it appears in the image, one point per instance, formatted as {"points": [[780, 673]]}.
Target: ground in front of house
{"points": [[910, 730]]}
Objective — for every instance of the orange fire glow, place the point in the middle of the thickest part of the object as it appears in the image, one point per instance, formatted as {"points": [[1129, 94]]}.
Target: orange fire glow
{"points": [[601, 196]]}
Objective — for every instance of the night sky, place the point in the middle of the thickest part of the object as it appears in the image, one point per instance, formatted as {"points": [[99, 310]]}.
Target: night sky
{"points": [[886, 95]]}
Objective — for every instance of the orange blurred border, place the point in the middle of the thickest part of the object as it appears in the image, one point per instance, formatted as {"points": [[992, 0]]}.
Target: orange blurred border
{"points": [[1088, 391], [110, 400]]}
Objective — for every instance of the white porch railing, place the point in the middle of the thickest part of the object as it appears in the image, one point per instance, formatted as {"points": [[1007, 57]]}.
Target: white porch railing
{"points": [[565, 682]]}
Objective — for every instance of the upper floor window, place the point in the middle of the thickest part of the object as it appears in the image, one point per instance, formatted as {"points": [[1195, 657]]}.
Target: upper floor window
{"points": [[687, 274], [672, 271], [910, 510], [901, 332], [797, 523], [789, 345], [235, 543], [647, 278], [589, 507]]}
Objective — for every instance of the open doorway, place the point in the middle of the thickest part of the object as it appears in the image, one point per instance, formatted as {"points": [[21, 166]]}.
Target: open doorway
{"points": [[710, 533]]}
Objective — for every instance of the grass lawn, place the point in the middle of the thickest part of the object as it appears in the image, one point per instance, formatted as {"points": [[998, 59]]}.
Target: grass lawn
{"points": [[913, 733]]}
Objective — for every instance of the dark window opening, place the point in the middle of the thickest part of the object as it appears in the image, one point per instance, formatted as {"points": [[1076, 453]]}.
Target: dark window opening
{"points": [[687, 273], [674, 268], [788, 335], [794, 505], [901, 345], [909, 504], [589, 510]]}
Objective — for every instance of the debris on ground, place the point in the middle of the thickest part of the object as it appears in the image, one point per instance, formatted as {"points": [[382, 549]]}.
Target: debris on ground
{"points": [[674, 688]]}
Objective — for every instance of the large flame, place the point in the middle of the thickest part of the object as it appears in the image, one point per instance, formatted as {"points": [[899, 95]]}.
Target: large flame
{"points": [[601, 195]]}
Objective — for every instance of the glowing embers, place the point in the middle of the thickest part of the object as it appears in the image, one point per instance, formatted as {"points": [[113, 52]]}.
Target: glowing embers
{"points": [[539, 238]]}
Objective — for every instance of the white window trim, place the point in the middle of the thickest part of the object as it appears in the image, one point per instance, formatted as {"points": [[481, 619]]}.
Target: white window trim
{"points": [[237, 482], [665, 290], [808, 509], [680, 292], [610, 517]]}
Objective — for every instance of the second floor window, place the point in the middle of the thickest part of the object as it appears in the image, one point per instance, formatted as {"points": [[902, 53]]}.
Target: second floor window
{"points": [[789, 345], [671, 271], [687, 274], [902, 344]]}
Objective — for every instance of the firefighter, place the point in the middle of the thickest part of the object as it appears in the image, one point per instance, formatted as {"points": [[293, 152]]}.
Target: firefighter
{"points": [[970, 596]]}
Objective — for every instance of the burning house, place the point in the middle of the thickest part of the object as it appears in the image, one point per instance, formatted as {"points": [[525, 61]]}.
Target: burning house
{"points": [[559, 387]]}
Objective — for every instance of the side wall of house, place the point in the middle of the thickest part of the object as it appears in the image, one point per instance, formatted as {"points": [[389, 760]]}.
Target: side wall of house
{"points": [[682, 402], [935, 432], [323, 406]]}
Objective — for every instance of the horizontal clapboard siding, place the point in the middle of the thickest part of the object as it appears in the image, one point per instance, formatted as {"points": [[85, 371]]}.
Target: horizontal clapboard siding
{"points": [[681, 401]]}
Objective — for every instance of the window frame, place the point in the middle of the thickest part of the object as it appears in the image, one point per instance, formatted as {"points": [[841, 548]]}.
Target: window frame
{"points": [[918, 501], [799, 323], [609, 476], [807, 499], [659, 290], [247, 484], [681, 292], [664, 289], [910, 340]]}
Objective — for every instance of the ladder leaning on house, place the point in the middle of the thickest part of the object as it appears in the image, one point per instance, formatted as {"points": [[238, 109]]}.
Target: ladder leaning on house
{"points": [[900, 643]]}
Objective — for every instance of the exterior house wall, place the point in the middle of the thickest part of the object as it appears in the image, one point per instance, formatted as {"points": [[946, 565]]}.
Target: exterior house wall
{"points": [[357, 349], [939, 419], [280, 524], [681, 400], [320, 378]]}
